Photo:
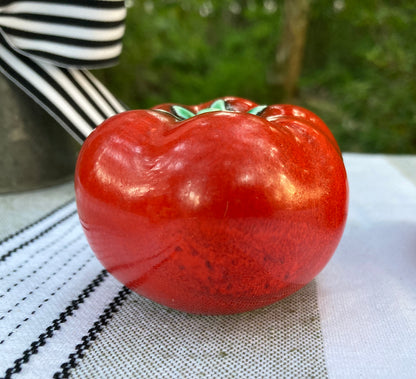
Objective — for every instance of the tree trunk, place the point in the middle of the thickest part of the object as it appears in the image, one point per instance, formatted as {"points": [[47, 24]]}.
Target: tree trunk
{"points": [[289, 54]]}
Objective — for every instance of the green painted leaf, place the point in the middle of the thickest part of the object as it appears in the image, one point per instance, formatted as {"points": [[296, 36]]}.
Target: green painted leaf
{"points": [[218, 105], [182, 112], [210, 109], [257, 110]]}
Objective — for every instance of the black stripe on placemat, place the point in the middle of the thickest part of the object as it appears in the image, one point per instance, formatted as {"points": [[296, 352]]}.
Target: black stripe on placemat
{"points": [[55, 325], [92, 334], [35, 252], [41, 266], [49, 214], [30, 316], [36, 237], [46, 299]]}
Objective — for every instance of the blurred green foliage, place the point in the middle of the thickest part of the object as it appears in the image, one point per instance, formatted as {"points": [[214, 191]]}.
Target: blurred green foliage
{"points": [[361, 61], [191, 51], [358, 71]]}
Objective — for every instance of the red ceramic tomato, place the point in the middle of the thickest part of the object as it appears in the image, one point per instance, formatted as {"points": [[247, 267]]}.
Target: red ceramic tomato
{"points": [[217, 208]]}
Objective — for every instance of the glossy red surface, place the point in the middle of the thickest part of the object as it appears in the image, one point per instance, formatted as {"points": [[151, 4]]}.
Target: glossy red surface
{"points": [[221, 213]]}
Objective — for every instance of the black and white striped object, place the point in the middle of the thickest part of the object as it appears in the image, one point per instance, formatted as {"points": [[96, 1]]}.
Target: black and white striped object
{"points": [[46, 48]]}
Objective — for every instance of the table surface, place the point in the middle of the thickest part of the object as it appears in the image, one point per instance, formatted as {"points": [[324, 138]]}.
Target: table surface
{"points": [[62, 314]]}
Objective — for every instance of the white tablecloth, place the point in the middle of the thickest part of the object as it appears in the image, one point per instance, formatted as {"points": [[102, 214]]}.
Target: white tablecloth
{"points": [[63, 315]]}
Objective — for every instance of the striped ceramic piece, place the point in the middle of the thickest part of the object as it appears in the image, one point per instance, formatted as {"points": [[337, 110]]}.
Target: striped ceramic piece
{"points": [[46, 48]]}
